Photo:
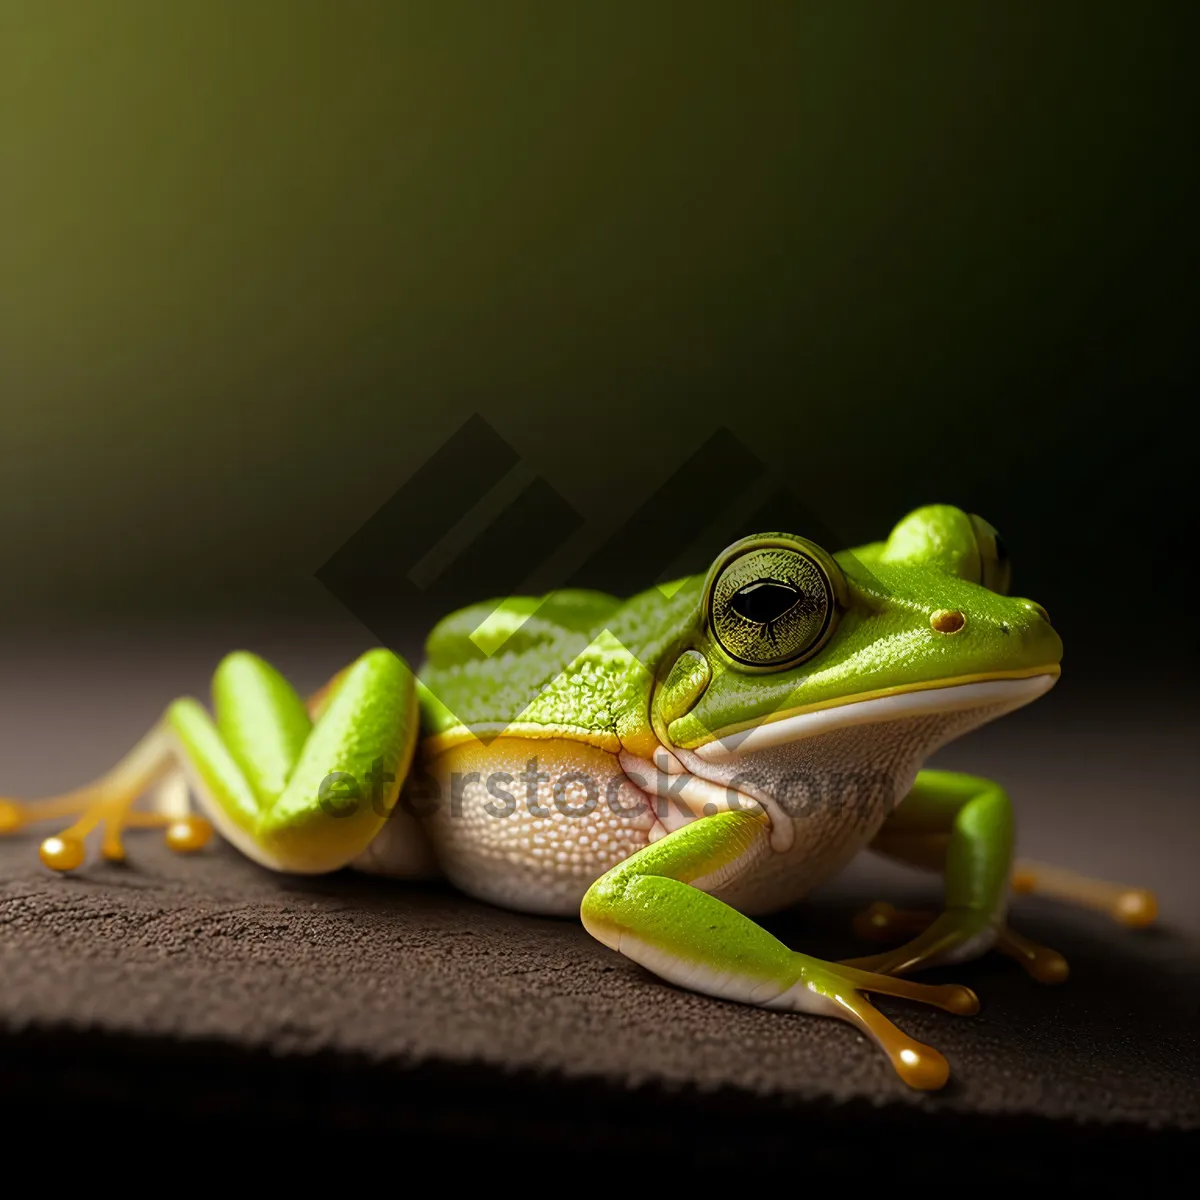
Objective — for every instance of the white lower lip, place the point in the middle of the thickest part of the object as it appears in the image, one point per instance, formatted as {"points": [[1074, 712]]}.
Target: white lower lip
{"points": [[1011, 693]]}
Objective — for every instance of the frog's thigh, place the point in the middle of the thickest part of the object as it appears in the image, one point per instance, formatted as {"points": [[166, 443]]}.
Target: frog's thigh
{"points": [[653, 909], [401, 849], [293, 797], [530, 823]]}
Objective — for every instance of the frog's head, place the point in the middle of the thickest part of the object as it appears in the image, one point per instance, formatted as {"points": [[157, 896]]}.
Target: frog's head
{"points": [[788, 640]]}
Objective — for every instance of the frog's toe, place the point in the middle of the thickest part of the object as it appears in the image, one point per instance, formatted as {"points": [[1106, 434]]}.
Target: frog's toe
{"points": [[1135, 907], [920, 1066], [952, 937], [1042, 963], [883, 922], [891, 962], [107, 805]]}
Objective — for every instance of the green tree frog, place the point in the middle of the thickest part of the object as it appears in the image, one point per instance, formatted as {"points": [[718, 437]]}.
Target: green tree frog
{"points": [[667, 767]]}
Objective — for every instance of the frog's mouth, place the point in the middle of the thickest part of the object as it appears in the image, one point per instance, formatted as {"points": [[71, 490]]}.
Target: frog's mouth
{"points": [[1008, 692]]}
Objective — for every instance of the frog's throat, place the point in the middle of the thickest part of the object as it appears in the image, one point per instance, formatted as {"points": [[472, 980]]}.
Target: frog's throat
{"points": [[871, 708], [707, 768]]}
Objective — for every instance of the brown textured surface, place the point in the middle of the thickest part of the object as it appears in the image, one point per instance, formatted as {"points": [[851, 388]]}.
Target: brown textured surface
{"points": [[200, 955], [208, 989]]}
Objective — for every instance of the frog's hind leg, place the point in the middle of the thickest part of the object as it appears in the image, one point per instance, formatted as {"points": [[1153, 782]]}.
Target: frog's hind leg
{"points": [[156, 765], [107, 803], [289, 791], [293, 793], [655, 909]]}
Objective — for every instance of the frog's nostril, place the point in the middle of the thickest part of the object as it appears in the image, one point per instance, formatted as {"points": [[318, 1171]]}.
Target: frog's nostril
{"points": [[947, 620]]}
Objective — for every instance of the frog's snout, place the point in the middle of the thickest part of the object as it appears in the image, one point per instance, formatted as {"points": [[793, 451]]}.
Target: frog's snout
{"points": [[1030, 624], [1024, 630]]}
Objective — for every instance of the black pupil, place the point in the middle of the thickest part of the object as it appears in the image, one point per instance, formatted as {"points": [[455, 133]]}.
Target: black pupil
{"points": [[765, 601]]}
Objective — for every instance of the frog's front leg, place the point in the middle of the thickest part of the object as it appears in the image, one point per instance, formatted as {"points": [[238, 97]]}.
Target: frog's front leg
{"points": [[963, 826], [654, 908], [296, 788]]}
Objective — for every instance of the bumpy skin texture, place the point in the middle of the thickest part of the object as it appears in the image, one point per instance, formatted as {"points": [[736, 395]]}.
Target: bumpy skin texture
{"points": [[583, 665]]}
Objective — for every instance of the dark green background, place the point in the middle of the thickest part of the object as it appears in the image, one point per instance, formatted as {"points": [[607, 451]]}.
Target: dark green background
{"points": [[259, 260]]}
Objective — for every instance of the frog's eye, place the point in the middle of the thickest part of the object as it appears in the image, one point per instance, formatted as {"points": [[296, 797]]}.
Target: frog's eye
{"points": [[995, 566], [772, 601]]}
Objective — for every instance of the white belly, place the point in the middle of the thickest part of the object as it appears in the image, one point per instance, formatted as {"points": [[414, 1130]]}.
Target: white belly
{"points": [[531, 824]]}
